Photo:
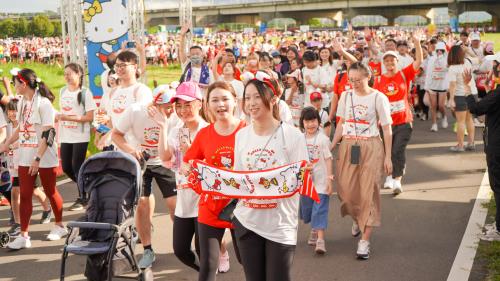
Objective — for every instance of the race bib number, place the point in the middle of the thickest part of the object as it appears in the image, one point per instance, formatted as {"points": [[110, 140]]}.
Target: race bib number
{"points": [[397, 106], [28, 139], [70, 124]]}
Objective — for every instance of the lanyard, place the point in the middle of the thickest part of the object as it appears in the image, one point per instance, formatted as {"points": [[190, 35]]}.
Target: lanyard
{"points": [[265, 146]]}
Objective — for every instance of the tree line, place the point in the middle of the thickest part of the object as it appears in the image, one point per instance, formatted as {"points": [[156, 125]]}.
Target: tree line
{"points": [[39, 25]]}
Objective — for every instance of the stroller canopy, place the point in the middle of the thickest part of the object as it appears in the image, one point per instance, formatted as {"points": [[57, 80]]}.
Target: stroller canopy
{"points": [[110, 160]]}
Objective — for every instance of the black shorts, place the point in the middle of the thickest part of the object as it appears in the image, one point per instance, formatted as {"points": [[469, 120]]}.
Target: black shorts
{"points": [[460, 103], [165, 178], [15, 181]]}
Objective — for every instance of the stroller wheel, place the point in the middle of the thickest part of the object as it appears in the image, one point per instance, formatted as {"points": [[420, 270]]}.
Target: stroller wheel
{"points": [[146, 275], [4, 239]]}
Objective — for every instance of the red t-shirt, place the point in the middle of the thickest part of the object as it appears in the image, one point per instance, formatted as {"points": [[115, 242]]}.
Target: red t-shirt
{"points": [[397, 92], [236, 75], [340, 86], [218, 151], [376, 68]]}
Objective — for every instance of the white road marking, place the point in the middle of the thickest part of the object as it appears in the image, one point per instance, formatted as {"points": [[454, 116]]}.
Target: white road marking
{"points": [[462, 265]]}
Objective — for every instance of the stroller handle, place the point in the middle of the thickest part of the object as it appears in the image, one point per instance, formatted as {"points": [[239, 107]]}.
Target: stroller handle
{"points": [[94, 225]]}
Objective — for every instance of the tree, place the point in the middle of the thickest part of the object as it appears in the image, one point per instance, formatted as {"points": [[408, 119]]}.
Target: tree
{"points": [[41, 26], [22, 26], [57, 28], [7, 28]]}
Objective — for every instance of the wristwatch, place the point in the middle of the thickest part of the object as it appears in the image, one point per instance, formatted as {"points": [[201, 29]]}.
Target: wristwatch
{"points": [[37, 159]]}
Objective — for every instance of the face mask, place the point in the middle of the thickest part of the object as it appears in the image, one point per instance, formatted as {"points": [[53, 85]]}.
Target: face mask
{"points": [[252, 62], [196, 60], [277, 60]]}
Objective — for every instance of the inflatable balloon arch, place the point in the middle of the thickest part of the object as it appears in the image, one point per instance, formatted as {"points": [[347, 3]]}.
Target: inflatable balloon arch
{"points": [[94, 29]]}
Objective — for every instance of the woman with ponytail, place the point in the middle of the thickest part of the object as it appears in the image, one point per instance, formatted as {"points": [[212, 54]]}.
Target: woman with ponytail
{"points": [[77, 112], [37, 152]]}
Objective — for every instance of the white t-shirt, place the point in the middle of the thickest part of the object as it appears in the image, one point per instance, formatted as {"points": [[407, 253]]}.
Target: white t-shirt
{"points": [[323, 115], [285, 113], [135, 122], [327, 76], [455, 73], [238, 87], [120, 99], [33, 116], [318, 149], [436, 73], [104, 81], [296, 106], [13, 155], [278, 224], [187, 199], [75, 132], [365, 125], [314, 74]]}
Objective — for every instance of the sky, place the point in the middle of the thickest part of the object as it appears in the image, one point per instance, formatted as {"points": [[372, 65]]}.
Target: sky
{"points": [[28, 6]]}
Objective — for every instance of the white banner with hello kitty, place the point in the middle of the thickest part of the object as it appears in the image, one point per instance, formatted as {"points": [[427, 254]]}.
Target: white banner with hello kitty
{"points": [[280, 182]]}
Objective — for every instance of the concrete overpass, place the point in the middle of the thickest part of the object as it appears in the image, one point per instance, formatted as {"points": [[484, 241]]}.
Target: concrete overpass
{"points": [[303, 10]]}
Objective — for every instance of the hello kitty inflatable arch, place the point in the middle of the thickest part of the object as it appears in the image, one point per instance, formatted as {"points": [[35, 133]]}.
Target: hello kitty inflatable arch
{"points": [[106, 27]]}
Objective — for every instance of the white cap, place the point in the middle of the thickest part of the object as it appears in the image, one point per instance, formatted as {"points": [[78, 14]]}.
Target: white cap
{"points": [[390, 53], [493, 57], [441, 46], [475, 36]]}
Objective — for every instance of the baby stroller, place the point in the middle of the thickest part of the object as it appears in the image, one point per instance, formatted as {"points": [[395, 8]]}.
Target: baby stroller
{"points": [[106, 234]]}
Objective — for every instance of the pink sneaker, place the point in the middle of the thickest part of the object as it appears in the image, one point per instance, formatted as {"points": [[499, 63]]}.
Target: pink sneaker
{"points": [[224, 262]]}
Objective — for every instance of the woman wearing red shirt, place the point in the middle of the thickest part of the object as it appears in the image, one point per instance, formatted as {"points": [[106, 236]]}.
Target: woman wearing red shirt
{"points": [[395, 84], [215, 145]]}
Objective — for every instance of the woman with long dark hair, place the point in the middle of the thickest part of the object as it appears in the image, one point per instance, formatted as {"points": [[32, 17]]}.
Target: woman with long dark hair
{"points": [[37, 151], [77, 112]]}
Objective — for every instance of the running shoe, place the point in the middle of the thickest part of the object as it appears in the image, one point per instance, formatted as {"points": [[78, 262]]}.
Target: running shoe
{"points": [[389, 182], [14, 230], [490, 235], [147, 260], [470, 147], [57, 233], [224, 263], [355, 231], [397, 188], [320, 247], [77, 206], [457, 148], [434, 127], [363, 251], [46, 216], [478, 123], [4, 201], [444, 122], [313, 237], [20, 243]]}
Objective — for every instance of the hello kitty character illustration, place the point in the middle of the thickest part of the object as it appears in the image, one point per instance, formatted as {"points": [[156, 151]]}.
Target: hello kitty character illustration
{"points": [[106, 27], [118, 104], [226, 162], [210, 178], [152, 135], [67, 104], [290, 178]]}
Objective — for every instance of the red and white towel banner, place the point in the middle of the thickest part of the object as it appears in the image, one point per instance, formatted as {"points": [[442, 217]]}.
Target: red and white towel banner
{"points": [[280, 182]]}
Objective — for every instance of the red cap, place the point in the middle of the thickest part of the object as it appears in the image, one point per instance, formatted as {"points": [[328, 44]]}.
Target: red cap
{"points": [[315, 96]]}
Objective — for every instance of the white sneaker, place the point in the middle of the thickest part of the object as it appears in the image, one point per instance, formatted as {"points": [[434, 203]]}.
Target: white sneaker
{"points": [[20, 243], [397, 188], [439, 115], [490, 235], [355, 231], [389, 183], [224, 263], [57, 233], [434, 127], [444, 122], [363, 251], [478, 124]]}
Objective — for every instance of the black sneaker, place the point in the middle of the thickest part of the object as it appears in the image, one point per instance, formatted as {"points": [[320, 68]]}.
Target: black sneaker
{"points": [[46, 216], [14, 230], [77, 206]]}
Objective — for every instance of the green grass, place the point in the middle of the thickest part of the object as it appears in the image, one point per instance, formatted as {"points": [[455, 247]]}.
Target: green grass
{"points": [[52, 75], [489, 252]]}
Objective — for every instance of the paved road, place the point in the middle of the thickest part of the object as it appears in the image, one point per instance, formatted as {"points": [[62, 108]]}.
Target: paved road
{"points": [[421, 232]]}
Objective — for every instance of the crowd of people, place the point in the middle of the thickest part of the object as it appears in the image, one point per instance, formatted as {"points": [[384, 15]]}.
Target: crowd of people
{"points": [[255, 108]]}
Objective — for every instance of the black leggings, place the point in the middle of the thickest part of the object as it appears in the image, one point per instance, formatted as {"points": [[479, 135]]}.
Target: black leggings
{"points": [[184, 229], [421, 105], [210, 241], [263, 259], [72, 158]]}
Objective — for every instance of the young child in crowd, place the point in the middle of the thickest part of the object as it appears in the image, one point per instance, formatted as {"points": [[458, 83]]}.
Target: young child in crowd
{"points": [[318, 149]]}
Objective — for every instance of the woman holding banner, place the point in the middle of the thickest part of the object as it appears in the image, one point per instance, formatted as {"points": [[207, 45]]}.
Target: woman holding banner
{"points": [[266, 229], [215, 145]]}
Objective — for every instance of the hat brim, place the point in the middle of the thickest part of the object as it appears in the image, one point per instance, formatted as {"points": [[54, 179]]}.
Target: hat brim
{"points": [[183, 97]]}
